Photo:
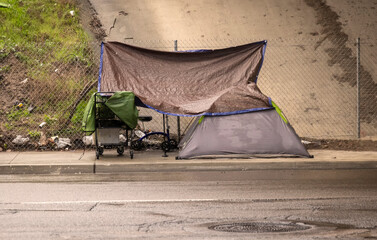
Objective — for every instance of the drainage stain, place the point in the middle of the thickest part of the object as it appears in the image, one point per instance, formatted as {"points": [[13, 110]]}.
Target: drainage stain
{"points": [[259, 227]]}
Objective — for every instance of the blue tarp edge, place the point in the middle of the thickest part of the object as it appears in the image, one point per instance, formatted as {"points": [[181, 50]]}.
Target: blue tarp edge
{"points": [[211, 114], [264, 51], [100, 69]]}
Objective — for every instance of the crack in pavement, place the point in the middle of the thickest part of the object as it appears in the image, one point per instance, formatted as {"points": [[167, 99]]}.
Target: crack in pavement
{"points": [[14, 158], [92, 207]]}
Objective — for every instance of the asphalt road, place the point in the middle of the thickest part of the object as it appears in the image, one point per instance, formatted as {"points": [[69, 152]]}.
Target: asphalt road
{"points": [[324, 204]]}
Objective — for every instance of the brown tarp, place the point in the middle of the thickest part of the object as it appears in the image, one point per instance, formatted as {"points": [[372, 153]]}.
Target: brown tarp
{"points": [[186, 83]]}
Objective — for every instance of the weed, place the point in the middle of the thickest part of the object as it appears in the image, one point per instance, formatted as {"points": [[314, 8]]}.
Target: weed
{"points": [[5, 69], [8, 126], [49, 120], [3, 55], [17, 113], [22, 57], [34, 134]]}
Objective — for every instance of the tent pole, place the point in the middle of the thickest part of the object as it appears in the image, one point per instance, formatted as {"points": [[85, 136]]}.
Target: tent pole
{"points": [[358, 85], [163, 123], [178, 118]]}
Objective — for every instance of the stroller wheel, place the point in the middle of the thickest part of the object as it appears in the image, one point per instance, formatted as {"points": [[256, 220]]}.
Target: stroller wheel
{"points": [[173, 144], [100, 151], [97, 154], [120, 150], [165, 146], [137, 145]]}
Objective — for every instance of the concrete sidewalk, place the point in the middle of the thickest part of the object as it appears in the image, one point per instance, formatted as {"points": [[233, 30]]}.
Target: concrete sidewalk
{"points": [[80, 162]]}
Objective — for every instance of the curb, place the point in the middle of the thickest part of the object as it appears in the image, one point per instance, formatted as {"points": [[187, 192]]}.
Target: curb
{"points": [[70, 163], [232, 166], [118, 168], [46, 169]]}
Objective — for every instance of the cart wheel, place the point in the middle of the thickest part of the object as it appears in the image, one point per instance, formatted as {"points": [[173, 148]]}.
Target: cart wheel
{"points": [[173, 144], [165, 146], [137, 145], [100, 151], [131, 154], [120, 150]]}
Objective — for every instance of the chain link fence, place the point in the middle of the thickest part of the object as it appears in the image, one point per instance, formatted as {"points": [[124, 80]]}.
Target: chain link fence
{"points": [[323, 87], [44, 90]]}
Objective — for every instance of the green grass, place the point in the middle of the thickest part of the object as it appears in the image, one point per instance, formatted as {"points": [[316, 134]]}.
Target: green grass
{"points": [[41, 32], [25, 24]]}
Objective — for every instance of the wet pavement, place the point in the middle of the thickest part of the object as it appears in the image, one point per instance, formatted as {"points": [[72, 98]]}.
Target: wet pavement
{"points": [[251, 204]]}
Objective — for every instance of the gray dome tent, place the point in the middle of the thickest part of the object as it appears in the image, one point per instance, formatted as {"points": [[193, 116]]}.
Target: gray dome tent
{"points": [[260, 133]]}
